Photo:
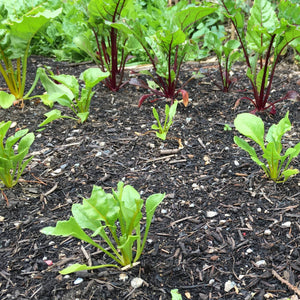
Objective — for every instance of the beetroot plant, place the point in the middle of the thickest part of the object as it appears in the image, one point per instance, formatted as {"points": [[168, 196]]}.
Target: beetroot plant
{"points": [[265, 39], [167, 46], [112, 46]]}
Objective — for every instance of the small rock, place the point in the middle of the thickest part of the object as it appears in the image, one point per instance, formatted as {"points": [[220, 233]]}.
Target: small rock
{"points": [[163, 211], [267, 232], [78, 280], [249, 250], [261, 263], [229, 285], [211, 214], [136, 282], [211, 282], [123, 277], [286, 224]]}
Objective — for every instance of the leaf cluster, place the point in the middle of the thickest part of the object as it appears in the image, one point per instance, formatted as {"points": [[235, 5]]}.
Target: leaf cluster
{"points": [[116, 218], [67, 93], [277, 165], [12, 154]]}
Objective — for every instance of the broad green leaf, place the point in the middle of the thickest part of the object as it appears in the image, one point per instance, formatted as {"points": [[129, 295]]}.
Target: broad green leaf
{"points": [[51, 116], [22, 31], [69, 228], [288, 173], [69, 81], [186, 17], [261, 24], [26, 142], [84, 43], [83, 116], [6, 100], [131, 205], [99, 207], [79, 267], [251, 126], [276, 131], [92, 76], [176, 295]]}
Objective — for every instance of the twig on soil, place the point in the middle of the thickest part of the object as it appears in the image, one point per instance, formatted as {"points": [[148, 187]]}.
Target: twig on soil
{"points": [[4, 275], [264, 195], [169, 151], [159, 158], [5, 197], [183, 219], [283, 281], [86, 255]]}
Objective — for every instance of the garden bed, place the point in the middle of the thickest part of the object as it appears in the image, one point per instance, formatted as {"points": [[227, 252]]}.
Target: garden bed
{"points": [[223, 230]]}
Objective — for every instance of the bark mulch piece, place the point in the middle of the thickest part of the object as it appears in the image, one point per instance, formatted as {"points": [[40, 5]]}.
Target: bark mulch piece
{"points": [[223, 231]]}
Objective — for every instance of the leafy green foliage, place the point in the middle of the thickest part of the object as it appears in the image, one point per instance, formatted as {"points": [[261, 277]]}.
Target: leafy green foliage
{"points": [[116, 218], [227, 54], [67, 93], [12, 163], [176, 295], [267, 36], [167, 44], [277, 165], [15, 39], [169, 116], [112, 45]]}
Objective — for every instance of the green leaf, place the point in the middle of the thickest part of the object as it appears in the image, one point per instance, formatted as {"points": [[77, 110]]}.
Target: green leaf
{"points": [[69, 81], [176, 295], [99, 207], [261, 24], [6, 100], [276, 131], [83, 116], [69, 228], [51, 116], [259, 78], [92, 76], [79, 267], [288, 173], [245, 146], [251, 126], [22, 31]]}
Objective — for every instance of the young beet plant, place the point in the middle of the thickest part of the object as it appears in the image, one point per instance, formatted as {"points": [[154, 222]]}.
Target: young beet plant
{"points": [[67, 93], [167, 47], [15, 39], [116, 218], [12, 158], [226, 54], [162, 131], [263, 43], [113, 46], [277, 165]]}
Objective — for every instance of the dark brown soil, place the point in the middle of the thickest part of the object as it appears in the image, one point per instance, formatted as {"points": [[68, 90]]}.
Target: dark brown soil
{"points": [[209, 231]]}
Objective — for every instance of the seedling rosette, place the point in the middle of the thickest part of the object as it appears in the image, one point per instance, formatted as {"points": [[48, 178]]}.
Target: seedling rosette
{"points": [[116, 218], [277, 166]]}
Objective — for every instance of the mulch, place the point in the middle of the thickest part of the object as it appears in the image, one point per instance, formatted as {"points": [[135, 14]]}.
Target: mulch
{"points": [[223, 231]]}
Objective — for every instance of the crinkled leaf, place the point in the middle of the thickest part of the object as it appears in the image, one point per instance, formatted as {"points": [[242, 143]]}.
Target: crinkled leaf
{"points": [[99, 207]]}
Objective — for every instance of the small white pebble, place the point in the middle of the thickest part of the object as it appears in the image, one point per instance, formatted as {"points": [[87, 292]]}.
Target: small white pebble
{"points": [[78, 280], [261, 263], [259, 209], [211, 214], [286, 224], [267, 232], [222, 222], [212, 281], [236, 163], [249, 250], [123, 277], [229, 285], [136, 282], [163, 211]]}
